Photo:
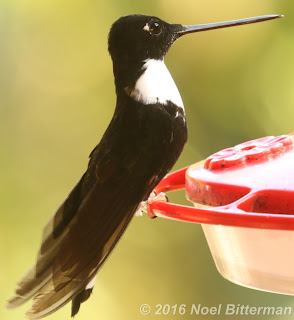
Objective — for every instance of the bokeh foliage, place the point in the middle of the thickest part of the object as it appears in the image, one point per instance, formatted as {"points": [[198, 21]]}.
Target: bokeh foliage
{"points": [[56, 99]]}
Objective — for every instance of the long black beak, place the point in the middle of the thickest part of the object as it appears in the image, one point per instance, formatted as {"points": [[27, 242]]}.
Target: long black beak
{"points": [[225, 24]]}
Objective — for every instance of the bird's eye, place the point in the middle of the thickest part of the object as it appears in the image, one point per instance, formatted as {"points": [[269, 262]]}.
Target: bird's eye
{"points": [[155, 28]]}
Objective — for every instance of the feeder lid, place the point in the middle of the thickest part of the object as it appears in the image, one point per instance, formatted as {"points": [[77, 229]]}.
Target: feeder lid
{"points": [[264, 166], [250, 186]]}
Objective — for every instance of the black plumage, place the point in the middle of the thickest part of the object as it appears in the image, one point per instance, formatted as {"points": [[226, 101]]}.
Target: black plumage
{"points": [[140, 145]]}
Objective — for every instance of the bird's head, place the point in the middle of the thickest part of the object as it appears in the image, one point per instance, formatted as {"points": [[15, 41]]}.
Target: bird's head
{"points": [[135, 39], [139, 37]]}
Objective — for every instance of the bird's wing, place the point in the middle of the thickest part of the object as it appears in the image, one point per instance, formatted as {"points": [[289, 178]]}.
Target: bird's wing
{"points": [[68, 262]]}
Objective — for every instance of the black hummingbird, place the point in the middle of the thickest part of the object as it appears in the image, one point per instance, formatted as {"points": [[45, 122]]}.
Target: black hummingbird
{"points": [[141, 144]]}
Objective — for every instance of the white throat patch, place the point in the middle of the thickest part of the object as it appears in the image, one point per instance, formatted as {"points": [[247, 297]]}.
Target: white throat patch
{"points": [[156, 85]]}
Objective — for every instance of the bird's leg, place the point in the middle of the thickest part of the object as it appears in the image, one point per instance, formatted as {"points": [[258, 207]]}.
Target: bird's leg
{"points": [[143, 206]]}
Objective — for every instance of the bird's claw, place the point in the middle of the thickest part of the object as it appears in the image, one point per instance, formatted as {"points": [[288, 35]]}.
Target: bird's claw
{"points": [[143, 206]]}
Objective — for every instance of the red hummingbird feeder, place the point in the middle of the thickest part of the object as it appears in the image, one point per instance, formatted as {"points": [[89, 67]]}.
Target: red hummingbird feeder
{"points": [[244, 200]]}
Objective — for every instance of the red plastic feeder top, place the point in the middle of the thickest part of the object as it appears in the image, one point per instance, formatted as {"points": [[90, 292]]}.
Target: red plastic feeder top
{"points": [[249, 185]]}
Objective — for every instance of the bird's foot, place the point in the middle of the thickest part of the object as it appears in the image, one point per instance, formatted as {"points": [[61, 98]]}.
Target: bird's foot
{"points": [[143, 206]]}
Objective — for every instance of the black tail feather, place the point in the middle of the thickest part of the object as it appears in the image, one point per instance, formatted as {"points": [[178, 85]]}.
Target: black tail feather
{"points": [[80, 298]]}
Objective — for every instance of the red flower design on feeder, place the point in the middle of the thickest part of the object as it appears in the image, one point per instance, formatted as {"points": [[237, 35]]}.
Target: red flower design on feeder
{"points": [[251, 151]]}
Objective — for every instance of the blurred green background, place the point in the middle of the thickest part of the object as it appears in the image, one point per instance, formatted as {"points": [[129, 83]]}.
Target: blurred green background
{"points": [[57, 98]]}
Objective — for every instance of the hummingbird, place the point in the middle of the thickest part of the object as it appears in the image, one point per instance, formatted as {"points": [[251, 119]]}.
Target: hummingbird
{"points": [[139, 147]]}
